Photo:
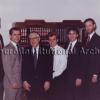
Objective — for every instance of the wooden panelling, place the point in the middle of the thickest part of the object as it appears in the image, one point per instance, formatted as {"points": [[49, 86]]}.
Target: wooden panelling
{"points": [[43, 28]]}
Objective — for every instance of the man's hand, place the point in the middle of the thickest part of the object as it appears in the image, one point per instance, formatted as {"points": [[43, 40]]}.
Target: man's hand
{"points": [[46, 85], [26, 85], [78, 82], [15, 86], [94, 78]]}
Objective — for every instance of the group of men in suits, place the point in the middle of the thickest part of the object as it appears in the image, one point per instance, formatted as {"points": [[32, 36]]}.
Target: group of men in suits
{"points": [[52, 72]]}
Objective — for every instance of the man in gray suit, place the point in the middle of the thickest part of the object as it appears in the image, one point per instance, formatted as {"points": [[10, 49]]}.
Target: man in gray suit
{"points": [[12, 66]]}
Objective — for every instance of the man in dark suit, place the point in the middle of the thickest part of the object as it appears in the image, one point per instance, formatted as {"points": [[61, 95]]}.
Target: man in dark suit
{"points": [[37, 69], [1, 69], [74, 71], [92, 61]]}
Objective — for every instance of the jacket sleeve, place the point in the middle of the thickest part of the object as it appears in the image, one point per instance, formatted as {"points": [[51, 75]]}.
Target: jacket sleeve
{"points": [[24, 68], [49, 62], [8, 65]]}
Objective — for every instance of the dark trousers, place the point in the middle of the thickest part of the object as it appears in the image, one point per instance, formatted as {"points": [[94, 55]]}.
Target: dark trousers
{"points": [[71, 91], [92, 90], [37, 91], [74, 93], [1, 90], [57, 89]]}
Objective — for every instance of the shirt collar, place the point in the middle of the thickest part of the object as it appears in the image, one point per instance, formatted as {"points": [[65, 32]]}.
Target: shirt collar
{"points": [[37, 48], [54, 46], [74, 42], [14, 44], [90, 35]]}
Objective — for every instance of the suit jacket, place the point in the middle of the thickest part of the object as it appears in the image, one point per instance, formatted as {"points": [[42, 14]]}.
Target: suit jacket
{"points": [[92, 56], [12, 63], [1, 42], [44, 69], [1, 66], [1, 69], [74, 69]]}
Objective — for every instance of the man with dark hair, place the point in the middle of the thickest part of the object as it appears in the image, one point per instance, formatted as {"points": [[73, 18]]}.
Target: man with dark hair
{"points": [[93, 22], [50, 34], [14, 29], [59, 66], [74, 72], [1, 69], [12, 66], [92, 60]]}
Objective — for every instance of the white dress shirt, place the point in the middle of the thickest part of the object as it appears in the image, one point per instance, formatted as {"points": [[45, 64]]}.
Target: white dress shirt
{"points": [[37, 50], [59, 61]]}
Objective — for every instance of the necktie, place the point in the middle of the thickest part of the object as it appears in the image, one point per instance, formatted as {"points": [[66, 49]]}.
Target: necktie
{"points": [[88, 40], [53, 53], [35, 58], [18, 49], [19, 52], [70, 47]]}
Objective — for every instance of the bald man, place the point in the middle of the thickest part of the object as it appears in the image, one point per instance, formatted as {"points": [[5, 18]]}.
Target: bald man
{"points": [[37, 69]]}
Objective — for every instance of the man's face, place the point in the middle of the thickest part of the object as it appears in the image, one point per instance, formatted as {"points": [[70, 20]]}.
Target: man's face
{"points": [[89, 27], [15, 37], [72, 36], [53, 41], [34, 41]]}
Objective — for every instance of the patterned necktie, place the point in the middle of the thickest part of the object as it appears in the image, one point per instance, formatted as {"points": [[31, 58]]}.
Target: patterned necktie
{"points": [[70, 47], [88, 40], [35, 58]]}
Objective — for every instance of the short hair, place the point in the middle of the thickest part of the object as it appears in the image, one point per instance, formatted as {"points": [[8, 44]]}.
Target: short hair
{"points": [[50, 34], [73, 29], [14, 29], [34, 34], [92, 20]]}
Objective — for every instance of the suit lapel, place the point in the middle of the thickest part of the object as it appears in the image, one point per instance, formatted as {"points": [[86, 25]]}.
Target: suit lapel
{"points": [[12, 46], [15, 52], [39, 55], [67, 44], [92, 40], [13, 49], [75, 47]]}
